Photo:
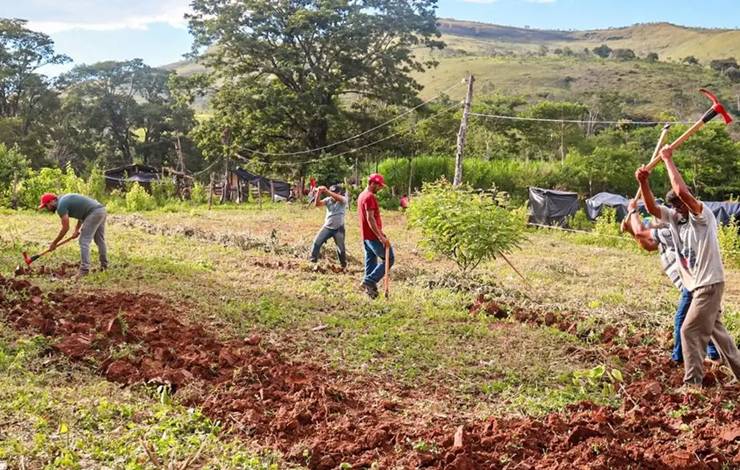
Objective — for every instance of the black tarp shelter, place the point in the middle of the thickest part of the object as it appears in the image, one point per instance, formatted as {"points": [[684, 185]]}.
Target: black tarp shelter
{"points": [[551, 207], [282, 189], [595, 205], [136, 173], [724, 211]]}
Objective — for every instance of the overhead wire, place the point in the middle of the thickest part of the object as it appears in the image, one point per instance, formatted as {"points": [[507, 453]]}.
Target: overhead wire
{"points": [[356, 149], [357, 136], [576, 121]]}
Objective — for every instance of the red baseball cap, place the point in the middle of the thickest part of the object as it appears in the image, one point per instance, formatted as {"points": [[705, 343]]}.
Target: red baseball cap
{"points": [[46, 199], [376, 178]]}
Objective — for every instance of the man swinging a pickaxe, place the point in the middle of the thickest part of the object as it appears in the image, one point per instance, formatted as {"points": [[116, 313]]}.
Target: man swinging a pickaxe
{"points": [[694, 229]]}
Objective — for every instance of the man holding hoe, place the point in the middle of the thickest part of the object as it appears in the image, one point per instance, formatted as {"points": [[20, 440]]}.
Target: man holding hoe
{"points": [[660, 239], [374, 240], [694, 235], [90, 215], [336, 204]]}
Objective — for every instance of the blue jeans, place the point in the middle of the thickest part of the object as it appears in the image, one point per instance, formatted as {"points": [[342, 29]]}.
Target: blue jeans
{"points": [[683, 307], [323, 236], [374, 272]]}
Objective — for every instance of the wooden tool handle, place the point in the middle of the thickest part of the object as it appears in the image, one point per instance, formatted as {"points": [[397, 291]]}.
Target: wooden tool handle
{"points": [[685, 136], [655, 159], [387, 279]]}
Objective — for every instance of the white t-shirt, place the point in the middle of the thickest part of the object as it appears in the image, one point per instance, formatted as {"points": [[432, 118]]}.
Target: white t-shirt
{"points": [[697, 247]]}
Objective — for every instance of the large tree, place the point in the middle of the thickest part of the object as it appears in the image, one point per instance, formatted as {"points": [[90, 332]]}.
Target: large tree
{"points": [[121, 111], [287, 70], [27, 100]]}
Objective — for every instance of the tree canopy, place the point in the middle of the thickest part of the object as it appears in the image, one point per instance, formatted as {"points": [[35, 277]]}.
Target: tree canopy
{"points": [[297, 68]]}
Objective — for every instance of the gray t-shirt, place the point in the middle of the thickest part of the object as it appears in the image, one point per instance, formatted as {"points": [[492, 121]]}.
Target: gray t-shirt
{"points": [[697, 247], [668, 258], [335, 212], [76, 206]]}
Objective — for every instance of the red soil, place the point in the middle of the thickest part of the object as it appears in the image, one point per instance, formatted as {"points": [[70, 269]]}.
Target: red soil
{"points": [[322, 418]]}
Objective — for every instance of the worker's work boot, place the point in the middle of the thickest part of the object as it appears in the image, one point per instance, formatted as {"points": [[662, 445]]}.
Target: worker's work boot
{"points": [[370, 289]]}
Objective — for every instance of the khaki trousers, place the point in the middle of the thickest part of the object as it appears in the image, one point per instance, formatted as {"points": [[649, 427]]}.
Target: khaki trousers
{"points": [[703, 322]]}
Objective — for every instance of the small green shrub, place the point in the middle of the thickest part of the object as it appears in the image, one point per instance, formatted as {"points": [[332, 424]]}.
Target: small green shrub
{"points": [[729, 243], [96, 185], [164, 191], [137, 199], [606, 229], [580, 221], [199, 193], [47, 180], [465, 227]]}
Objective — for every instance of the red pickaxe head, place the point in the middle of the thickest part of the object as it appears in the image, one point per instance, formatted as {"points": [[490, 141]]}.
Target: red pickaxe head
{"points": [[27, 259], [716, 108]]}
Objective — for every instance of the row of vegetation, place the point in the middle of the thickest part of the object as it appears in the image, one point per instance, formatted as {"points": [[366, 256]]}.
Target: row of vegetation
{"points": [[266, 113]]}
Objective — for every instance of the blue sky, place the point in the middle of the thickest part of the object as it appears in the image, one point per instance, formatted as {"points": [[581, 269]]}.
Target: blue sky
{"points": [[154, 30]]}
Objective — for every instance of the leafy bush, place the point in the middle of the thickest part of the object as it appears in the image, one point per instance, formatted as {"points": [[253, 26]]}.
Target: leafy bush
{"points": [[729, 243], [464, 227], [137, 199], [52, 180], [606, 229], [96, 185], [580, 221], [13, 166], [199, 193], [164, 191]]}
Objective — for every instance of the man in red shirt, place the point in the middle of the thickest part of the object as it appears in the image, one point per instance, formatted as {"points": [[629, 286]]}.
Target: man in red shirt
{"points": [[373, 237]]}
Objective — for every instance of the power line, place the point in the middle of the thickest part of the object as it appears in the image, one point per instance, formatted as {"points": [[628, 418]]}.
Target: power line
{"points": [[577, 121], [356, 149], [379, 126]]}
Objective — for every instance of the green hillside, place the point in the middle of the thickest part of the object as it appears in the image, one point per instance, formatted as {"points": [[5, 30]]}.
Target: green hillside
{"points": [[512, 61]]}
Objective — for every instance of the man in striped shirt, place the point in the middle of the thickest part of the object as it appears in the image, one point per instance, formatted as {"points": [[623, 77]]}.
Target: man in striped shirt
{"points": [[660, 238]]}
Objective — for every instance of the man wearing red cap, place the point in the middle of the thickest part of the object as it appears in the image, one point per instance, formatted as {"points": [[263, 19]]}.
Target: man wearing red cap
{"points": [[90, 215], [373, 238]]}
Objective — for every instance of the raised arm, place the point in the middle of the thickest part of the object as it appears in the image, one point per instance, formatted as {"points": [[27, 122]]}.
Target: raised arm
{"points": [[337, 197], [643, 174], [317, 197], [678, 184]]}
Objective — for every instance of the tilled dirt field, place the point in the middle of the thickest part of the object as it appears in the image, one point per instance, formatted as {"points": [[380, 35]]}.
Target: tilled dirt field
{"points": [[322, 418]]}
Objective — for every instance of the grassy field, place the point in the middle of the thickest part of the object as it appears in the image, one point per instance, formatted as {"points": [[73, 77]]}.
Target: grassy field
{"points": [[242, 271]]}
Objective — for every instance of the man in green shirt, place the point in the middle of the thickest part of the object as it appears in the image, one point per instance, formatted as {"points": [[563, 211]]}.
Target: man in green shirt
{"points": [[90, 215]]}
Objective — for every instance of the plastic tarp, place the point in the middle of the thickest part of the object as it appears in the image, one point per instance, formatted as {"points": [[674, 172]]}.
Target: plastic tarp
{"points": [[141, 174], [281, 188], [595, 205], [551, 207], [724, 211]]}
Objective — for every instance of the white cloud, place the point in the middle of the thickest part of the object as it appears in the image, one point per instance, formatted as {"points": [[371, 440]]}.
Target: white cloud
{"points": [[53, 16]]}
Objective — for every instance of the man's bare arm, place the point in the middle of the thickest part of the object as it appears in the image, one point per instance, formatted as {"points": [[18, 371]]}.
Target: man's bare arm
{"points": [[678, 184], [370, 216]]}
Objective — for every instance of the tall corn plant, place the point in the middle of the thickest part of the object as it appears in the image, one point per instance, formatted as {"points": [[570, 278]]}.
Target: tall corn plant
{"points": [[465, 227]]}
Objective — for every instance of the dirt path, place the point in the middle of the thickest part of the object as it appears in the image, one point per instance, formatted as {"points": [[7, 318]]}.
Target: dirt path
{"points": [[322, 418]]}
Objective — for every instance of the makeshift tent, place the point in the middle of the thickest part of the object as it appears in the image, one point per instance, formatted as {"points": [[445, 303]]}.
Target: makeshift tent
{"points": [[596, 204], [142, 174], [551, 207], [724, 211], [282, 190]]}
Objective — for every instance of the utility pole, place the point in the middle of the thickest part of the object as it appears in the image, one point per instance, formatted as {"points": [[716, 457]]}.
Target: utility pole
{"points": [[462, 133], [226, 141]]}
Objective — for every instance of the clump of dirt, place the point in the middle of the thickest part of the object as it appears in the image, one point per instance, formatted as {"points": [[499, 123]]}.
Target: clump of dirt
{"points": [[575, 323], [323, 419], [63, 270], [245, 242]]}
